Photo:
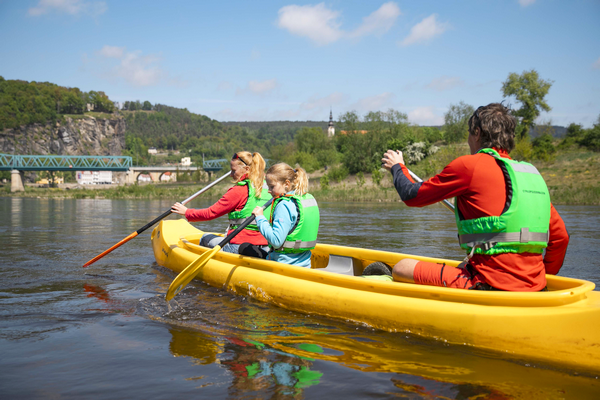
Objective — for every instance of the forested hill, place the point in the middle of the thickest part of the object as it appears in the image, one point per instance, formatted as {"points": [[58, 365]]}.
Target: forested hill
{"points": [[25, 103], [170, 128]]}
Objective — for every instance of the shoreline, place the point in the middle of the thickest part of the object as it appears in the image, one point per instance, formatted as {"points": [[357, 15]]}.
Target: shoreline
{"points": [[569, 192]]}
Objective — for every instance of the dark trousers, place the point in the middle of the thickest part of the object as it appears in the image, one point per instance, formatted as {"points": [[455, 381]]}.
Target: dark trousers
{"points": [[252, 250]]}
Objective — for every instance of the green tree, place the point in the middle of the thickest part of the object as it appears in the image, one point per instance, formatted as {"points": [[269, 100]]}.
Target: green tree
{"points": [[456, 122], [591, 138], [530, 91], [147, 106]]}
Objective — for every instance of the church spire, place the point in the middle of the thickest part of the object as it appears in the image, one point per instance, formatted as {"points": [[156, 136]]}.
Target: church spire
{"points": [[330, 127]]}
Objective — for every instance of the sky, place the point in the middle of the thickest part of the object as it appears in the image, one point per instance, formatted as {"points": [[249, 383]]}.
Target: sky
{"points": [[295, 60]]}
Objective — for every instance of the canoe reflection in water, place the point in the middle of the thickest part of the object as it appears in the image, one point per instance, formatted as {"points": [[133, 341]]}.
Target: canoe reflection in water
{"points": [[256, 367]]}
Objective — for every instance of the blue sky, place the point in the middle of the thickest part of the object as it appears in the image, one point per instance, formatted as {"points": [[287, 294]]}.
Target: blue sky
{"points": [[293, 60]]}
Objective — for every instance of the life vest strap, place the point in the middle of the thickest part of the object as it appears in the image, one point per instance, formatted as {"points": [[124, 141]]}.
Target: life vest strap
{"points": [[297, 244], [506, 237]]}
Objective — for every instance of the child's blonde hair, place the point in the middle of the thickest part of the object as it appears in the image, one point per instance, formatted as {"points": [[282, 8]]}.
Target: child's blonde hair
{"points": [[256, 173], [297, 176]]}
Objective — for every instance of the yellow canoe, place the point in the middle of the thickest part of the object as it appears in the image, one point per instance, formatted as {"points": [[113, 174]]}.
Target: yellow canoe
{"points": [[558, 326]]}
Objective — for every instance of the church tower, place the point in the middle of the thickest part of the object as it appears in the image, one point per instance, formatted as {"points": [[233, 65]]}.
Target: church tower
{"points": [[330, 127]]}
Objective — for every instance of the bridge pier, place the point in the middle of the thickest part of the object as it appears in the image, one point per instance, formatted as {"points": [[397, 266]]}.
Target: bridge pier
{"points": [[16, 181]]}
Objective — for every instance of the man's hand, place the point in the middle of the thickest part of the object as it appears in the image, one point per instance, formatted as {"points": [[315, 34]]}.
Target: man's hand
{"points": [[391, 158]]}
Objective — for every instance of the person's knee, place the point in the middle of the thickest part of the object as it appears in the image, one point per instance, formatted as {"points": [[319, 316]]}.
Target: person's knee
{"points": [[404, 270]]}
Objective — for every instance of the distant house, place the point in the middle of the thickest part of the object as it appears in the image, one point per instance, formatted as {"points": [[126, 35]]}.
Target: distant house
{"points": [[186, 161], [346, 132], [152, 150], [166, 177], [94, 177]]}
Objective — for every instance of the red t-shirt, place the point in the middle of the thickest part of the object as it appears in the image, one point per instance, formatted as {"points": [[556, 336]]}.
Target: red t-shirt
{"points": [[233, 200], [478, 184]]}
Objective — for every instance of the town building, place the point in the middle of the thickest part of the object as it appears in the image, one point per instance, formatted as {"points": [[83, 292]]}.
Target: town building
{"points": [[152, 150], [94, 177]]}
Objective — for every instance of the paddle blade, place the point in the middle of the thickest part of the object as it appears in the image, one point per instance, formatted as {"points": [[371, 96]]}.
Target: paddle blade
{"points": [[105, 252], [189, 273]]}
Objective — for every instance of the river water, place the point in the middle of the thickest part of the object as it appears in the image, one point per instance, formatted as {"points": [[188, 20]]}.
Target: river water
{"points": [[107, 332]]}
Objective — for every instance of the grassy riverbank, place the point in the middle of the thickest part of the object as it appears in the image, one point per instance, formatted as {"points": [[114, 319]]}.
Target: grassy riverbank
{"points": [[573, 177]]}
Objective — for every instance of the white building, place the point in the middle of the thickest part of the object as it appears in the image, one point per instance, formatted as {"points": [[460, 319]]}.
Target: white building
{"points": [[330, 127], [186, 161], [94, 177], [152, 150]]}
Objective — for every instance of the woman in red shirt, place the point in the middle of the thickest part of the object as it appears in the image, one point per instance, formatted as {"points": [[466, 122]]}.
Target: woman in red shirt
{"points": [[479, 185], [248, 173]]}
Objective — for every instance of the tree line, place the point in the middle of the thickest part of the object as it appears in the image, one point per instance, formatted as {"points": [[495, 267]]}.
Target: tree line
{"points": [[24, 103]]}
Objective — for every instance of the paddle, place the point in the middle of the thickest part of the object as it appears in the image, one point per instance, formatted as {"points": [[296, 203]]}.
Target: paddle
{"points": [[445, 202], [154, 221], [191, 270]]}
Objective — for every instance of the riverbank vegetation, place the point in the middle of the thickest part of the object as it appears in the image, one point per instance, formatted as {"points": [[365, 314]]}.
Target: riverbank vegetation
{"points": [[347, 166]]}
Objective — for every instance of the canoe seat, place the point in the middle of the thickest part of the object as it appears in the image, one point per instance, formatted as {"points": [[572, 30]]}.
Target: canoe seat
{"points": [[342, 265]]}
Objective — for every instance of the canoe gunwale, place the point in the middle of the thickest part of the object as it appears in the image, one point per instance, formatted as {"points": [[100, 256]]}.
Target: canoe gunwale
{"points": [[571, 290]]}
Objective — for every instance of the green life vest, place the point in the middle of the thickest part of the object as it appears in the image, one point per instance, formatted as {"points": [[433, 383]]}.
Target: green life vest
{"points": [[303, 235], [523, 226], [237, 217]]}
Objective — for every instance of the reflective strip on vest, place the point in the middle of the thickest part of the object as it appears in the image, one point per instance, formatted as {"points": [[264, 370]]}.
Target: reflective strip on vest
{"points": [[510, 237], [298, 244]]}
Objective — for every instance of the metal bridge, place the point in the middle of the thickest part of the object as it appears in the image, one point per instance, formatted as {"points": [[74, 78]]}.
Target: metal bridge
{"points": [[10, 162]]}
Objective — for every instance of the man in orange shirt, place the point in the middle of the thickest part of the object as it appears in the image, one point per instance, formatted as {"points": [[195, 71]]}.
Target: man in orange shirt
{"points": [[512, 234]]}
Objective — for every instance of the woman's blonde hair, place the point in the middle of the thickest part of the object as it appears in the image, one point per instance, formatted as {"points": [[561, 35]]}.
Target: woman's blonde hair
{"points": [[297, 176], [256, 172]]}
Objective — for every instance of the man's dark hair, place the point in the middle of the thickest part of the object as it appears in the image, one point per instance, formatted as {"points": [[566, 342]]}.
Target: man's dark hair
{"points": [[497, 126]]}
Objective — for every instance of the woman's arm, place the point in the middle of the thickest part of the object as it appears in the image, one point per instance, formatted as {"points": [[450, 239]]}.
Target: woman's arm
{"points": [[284, 218], [235, 198]]}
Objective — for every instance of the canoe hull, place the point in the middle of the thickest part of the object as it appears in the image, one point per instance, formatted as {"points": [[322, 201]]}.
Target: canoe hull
{"points": [[562, 325]]}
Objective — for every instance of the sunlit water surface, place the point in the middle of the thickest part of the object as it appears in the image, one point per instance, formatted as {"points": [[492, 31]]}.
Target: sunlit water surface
{"points": [[107, 332]]}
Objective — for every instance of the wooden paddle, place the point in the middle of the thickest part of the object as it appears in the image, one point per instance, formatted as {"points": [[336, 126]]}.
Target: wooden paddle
{"points": [[191, 270], [154, 221], [445, 202]]}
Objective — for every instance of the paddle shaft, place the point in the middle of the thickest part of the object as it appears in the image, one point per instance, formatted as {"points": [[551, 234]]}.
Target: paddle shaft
{"points": [[243, 225], [445, 202], [154, 221], [191, 270]]}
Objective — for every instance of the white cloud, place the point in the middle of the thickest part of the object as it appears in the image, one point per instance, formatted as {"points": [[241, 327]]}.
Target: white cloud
{"points": [[322, 102], [425, 31], [425, 116], [596, 64], [72, 7], [372, 103], [112, 51], [318, 23], [525, 3], [445, 83], [379, 21], [133, 67], [260, 88], [321, 24]]}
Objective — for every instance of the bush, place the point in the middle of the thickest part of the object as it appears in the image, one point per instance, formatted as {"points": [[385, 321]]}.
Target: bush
{"points": [[360, 179], [591, 139], [338, 173], [376, 176], [523, 150], [324, 181], [542, 148]]}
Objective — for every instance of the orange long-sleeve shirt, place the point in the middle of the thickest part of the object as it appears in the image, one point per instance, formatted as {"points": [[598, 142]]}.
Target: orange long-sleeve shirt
{"points": [[478, 184]]}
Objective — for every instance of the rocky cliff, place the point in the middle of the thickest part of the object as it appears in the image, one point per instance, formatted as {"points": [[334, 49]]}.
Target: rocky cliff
{"points": [[82, 136]]}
